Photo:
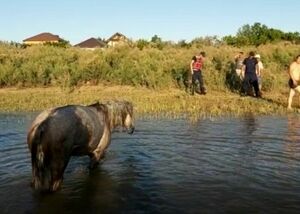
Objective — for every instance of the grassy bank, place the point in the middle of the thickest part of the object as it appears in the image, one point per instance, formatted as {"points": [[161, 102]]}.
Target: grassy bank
{"points": [[40, 77], [170, 103]]}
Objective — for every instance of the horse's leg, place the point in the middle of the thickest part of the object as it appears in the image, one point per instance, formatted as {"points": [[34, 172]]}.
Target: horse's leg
{"points": [[98, 153]]}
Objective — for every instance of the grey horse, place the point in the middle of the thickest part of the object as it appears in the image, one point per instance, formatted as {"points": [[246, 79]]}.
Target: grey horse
{"points": [[74, 130]]}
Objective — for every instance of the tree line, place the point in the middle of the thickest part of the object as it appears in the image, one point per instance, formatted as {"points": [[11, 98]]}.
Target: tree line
{"points": [[247, 35], [259, 34]]}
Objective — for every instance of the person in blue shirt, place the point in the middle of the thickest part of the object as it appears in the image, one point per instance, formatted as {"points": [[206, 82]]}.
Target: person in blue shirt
{"points": [[250, 75]]}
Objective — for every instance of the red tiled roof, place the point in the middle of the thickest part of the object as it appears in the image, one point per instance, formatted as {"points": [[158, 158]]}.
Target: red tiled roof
{"points": [[91, 43], [45, 37]]}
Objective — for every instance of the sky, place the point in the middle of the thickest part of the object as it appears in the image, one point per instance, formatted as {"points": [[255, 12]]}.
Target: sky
{"points": [[172, 20]]}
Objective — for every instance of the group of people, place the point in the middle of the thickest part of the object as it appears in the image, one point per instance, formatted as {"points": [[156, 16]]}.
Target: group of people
{"points": [[249, 71]]}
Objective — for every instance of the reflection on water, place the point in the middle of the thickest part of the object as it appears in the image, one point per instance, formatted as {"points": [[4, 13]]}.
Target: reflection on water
{"points": [[291, 147], [293, 125], [240, 165]]}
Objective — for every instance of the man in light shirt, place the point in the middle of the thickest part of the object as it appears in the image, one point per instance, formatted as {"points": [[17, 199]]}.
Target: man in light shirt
{"points": [[294, 81], [259, 68]]}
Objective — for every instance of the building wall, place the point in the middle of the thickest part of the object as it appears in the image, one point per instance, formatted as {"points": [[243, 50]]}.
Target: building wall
{"points": [[116, 42], [38, 42]]}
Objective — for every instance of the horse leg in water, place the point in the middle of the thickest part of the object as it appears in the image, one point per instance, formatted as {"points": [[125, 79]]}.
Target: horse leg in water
{"points": [[98, 153]]}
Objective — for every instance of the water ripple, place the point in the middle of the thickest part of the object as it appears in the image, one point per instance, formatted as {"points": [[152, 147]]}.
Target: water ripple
{"points": [[224, 165]]}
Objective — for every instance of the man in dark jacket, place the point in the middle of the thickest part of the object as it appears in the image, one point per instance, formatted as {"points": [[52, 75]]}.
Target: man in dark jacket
{"points": [[251, 80]]}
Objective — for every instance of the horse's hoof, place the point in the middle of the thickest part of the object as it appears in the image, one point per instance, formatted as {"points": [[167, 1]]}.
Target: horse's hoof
{"points": [[93, 164]]}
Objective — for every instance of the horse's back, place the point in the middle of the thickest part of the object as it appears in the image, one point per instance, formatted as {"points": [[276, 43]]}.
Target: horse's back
{"points": [[72, 127]]}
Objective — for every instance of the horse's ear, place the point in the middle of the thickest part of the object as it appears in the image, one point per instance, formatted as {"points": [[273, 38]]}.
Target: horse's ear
{"points": [[101, 107], [94, 104], [131, 106], [128, 104]]}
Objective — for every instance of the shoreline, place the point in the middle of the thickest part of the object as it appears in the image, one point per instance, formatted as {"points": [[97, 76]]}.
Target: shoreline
{"points": [[171, 103]]}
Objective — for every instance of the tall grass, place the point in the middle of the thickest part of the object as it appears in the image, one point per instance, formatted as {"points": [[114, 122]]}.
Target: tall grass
{"points": [[169, 102]]}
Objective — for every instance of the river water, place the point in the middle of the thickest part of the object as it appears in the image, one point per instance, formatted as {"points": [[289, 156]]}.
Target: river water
{"points": [[218, 165]]}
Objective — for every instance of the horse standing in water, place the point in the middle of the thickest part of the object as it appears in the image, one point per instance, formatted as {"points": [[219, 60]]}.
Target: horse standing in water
{"points": [[74, 130]]}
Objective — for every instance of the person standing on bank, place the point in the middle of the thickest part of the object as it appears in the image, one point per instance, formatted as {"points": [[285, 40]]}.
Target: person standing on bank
{"points": [[250, 79], [294, 73], [239, 64], [260, 68], [196, 71]]}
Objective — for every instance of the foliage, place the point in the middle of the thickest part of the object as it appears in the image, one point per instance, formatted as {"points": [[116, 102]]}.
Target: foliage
{"points": [[142, 43], [206, 41], [143, 64], [184, 44], [259, 34]]}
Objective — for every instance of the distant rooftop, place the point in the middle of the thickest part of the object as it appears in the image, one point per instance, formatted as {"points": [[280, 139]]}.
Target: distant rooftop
{"points": [[116, 37], [45, 37], [91, 43]]}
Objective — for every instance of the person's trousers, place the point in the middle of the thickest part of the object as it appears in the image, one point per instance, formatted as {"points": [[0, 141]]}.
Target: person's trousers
{"points": [[197, 76], [248, 83]]}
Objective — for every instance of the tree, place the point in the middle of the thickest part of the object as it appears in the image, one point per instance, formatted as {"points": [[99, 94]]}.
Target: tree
{"points": [[259, 34], [256, 34], [142, 43], [156, 39], [183, 44], [157, 42], [207, 40]]}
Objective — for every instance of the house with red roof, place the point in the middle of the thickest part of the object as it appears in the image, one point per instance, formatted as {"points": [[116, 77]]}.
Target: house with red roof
{"points": [[42, 38], [91, 44]]}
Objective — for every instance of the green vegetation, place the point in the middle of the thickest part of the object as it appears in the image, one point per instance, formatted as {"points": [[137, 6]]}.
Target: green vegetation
{"points": [[155, 66], [150, 67], [259, 34]]}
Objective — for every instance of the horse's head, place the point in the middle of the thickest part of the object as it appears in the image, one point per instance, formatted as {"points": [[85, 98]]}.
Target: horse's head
{"points": [[121, 114], [128, 120]]}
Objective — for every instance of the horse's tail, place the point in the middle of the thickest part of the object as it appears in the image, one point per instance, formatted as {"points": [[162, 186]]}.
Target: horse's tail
{"points": [[35, 144]]}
